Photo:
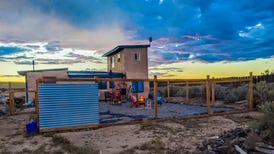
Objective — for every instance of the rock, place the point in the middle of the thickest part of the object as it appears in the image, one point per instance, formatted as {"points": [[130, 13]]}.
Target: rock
{"points": [[264, 150], [223, 149], [251, 140], [240, 150], [257, 131], [245, 147], [219, 142]]}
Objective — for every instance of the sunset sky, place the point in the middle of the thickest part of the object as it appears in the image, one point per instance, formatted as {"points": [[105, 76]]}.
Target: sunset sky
{"points": [[191, 38]]}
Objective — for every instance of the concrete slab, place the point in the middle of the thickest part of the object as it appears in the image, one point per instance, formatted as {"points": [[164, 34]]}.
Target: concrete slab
{"points": [[124, 113]]}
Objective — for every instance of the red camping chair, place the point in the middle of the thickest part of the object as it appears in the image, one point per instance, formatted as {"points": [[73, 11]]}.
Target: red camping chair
{"points": [[116, 97], [136, 102]]}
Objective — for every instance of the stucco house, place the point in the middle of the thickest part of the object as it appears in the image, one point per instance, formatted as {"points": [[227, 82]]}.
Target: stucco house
{"points": [[124, 61]]}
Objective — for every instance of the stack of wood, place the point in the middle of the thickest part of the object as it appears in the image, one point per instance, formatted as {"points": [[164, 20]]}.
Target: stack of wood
{"points": [[237, 141]]}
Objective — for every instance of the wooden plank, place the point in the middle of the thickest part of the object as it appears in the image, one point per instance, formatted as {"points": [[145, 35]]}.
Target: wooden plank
{"points": [[213, 92], [155, 98], [12, 109], [36, 96], [207, 94], [144, 121], [230, 80], [168, 89], [18, 91], [250, 91], [187, 92], [181, 80], [68, 128], [19, 113], [189, 82]]}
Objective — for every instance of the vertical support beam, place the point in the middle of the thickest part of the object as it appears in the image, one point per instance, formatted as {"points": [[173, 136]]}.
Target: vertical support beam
{"points": [[11, 97], [36, 96], [187, 93], [208, 94], [250, 91], [155, 97], [168, 89], [213, 91]]}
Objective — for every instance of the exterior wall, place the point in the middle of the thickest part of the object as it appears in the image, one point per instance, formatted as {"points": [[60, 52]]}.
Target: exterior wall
{"points": [[118, 66], [136, 69], [133, 69], [33, 76]]}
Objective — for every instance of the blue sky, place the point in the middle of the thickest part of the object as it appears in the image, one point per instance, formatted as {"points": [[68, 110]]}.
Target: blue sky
{"points": [[75, 34]]}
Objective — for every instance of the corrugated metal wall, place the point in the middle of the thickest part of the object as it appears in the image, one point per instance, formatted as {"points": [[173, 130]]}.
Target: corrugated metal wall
{"points": [[66, 105]]}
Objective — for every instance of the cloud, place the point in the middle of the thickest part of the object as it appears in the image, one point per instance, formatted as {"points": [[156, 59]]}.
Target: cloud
{"points": [[4, 50], [205, 31], [23, 62], [156, 73], [42, 24]]}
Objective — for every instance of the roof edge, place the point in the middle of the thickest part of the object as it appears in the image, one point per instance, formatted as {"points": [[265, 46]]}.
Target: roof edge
{"points": [[41, 70], [119, 47]]}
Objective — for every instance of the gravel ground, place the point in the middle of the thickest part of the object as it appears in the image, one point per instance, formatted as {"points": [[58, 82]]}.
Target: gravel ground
{"points": [[124, 113]]}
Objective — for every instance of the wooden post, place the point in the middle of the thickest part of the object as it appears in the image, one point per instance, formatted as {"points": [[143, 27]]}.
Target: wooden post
{"points": [[250, 91], [12, 110], [168, 89], [207, 94], [36, 96], [155, 97], [187, 93], [213, 91]]}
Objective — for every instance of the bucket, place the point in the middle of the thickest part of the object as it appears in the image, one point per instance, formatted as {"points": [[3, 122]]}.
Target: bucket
{"points": [[148, 103], [32, 128]]}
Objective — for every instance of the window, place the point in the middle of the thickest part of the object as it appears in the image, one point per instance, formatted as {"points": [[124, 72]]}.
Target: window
{"points": [[112, 61], [118, 57], [137, 57], [102, 85], [137, 87]]}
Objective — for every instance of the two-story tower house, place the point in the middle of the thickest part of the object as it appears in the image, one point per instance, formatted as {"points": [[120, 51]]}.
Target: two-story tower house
{"points": [[131, 60]]}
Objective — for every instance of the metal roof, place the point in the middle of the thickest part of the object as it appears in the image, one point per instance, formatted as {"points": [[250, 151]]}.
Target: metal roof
{"points": [[26, 71], [120, 47], [92, 74]]}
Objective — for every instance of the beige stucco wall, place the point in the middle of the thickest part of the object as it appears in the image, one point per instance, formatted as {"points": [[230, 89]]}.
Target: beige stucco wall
{"points": [[136, 69], [118, 66], [133, 69], [33, 76]]}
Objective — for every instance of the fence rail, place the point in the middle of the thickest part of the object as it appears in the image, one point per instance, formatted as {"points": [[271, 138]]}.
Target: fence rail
{"points": [[208, 82]]}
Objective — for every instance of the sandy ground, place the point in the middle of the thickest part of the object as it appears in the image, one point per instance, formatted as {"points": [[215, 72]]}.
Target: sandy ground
{"points": [[13, 138], [180, 136]]}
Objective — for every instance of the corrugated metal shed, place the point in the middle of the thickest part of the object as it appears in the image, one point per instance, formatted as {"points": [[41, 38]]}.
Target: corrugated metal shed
{"points": [[68, 105]]}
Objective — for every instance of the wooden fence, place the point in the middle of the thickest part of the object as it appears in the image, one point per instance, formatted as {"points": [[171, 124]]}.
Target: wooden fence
{"points": [[209, 83]]}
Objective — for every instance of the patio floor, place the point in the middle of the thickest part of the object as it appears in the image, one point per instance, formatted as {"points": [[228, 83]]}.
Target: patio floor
{"points": [[124, 113]]}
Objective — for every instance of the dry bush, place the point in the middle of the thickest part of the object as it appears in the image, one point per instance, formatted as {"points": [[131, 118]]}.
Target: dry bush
{"points": [[263, 92], [267, 121]]}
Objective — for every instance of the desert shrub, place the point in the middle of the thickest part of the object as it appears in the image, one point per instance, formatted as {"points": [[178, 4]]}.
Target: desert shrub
{"points": [[69, 147], [233, 93], [197, 91], [263, 92], [177, 91], [220, 91], [267, 121]]}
